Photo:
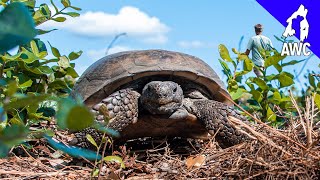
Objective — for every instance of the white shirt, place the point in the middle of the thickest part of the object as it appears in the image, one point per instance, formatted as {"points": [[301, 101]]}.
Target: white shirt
{"points": [[257, 42]]}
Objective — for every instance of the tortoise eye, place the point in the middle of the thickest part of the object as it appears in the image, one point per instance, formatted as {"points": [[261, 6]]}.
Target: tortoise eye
{"points": [[175, 89]]}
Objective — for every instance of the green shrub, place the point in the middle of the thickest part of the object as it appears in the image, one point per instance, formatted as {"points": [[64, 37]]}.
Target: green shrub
{"points": [[264, 95], [33, 87]]}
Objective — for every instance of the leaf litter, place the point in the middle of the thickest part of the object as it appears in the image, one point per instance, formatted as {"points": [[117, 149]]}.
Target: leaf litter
{"points": [[292, 152]]}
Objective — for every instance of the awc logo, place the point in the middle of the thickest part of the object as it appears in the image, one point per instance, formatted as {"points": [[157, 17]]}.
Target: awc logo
{"points": [[297, 48]]}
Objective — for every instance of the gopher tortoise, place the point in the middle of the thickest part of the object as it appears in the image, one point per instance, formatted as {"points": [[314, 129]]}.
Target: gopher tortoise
{"points": [[154, 93]]}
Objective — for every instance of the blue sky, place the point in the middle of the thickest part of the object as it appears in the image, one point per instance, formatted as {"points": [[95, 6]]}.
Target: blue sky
{"points": [[192, 27]]}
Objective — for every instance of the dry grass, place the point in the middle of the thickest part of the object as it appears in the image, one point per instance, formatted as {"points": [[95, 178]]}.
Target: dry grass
{"points": [[289, 153]]}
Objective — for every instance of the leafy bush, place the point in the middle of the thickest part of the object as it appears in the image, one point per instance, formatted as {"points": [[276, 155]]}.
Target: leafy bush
{"points": [[267, 95], [30, 80]]}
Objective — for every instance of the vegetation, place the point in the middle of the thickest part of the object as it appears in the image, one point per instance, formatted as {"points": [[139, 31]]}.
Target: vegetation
{"points": [[34, 88], [267, 96]]}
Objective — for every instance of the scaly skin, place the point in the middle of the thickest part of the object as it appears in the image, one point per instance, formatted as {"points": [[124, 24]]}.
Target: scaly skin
{"points": [[214, 115], [122, 109]]}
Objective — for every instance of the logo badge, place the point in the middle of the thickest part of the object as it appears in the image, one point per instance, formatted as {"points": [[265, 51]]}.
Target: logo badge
{"points": [[297, 48]]}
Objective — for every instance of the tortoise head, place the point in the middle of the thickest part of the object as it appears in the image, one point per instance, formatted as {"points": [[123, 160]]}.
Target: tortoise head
{"points": [[162, 97]]}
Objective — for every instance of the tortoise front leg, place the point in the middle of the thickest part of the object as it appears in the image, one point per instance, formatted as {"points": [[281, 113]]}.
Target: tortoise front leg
{"points": [[121, 108], [214, 115]]}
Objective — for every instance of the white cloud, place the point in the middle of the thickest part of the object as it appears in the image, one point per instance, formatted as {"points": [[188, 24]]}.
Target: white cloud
{"points": [[95, 55], [128, 20], [191, 44]]}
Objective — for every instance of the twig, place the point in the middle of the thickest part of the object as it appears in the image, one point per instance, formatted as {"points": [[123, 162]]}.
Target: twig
{"points": [[103, 151], [259, 136], [45, 174], [113, 41], [36, 160], [263, 124]]}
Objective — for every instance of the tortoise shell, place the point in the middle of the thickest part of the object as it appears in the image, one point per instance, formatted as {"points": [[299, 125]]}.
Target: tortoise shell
{"points": [[111, 72]]}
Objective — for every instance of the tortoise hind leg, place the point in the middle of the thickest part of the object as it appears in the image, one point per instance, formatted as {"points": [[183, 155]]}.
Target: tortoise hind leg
{"points": [[214, 115], [121, 108]]}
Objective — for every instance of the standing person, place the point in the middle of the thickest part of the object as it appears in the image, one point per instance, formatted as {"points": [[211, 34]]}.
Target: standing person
{"points": [[255, 43]]}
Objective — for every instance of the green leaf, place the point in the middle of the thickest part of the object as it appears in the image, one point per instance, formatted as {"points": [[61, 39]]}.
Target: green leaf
{"points": [[34, 47], [41, 31], [235, 51], [17, 121], [59, 19], [91, 140], [41, 45], [237, 94], [16, 26], [26, 84], [224, 53], [55, 51], [32, 108], [12, 88], [232, 85], [276, 97], [45, 69], [226, 69], [78, 118], [317, 100], [256, 95], [13, 135], [44, 8], [39, 17], [66, 3], [312, 81], [278, 38], [75, 8], [263, 85], [36, 70], [243, 57], [25, 101], [8, 57], [73, 116], [285, 79], [74, 55], [64, 62], [116, 159], [293, 62], [58, 84], [71, 72], [27, 56], [273, 60], [72, 14], [271, 116], [270, 77], [278, 67], [39, 53], [248, 65]]}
